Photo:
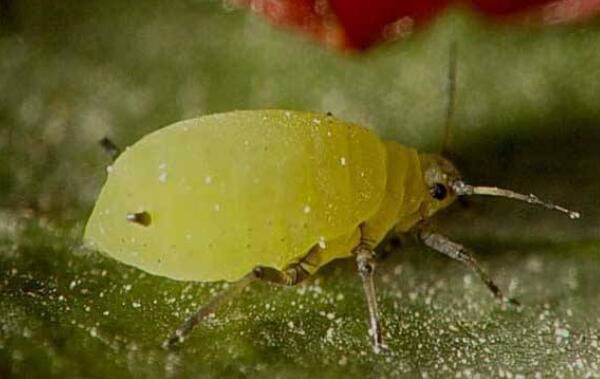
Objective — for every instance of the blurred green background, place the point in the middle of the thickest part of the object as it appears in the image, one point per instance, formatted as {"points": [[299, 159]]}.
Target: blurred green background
{"points": [[527, 115]]}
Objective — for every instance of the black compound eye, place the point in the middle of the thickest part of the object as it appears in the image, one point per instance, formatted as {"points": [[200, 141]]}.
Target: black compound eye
{"points": [[439, 191]]}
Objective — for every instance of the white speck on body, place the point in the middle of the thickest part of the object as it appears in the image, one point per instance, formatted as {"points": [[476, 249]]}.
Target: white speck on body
{"points": [[217, 207], [316, 121], [343, 161], [163, 175], [288, 114], [109, 169], [208, 179], [136, 304], [322, 243], [307, 209]]}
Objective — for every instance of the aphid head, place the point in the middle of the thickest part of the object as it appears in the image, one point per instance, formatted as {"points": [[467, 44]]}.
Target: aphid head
{"points": [[445, 184], [443, 179], [439, 176]]}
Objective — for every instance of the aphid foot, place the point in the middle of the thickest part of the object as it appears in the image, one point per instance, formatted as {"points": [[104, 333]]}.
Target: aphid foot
{"points": [[513, 301], [380, 348], [494, 288], [173, 342]]}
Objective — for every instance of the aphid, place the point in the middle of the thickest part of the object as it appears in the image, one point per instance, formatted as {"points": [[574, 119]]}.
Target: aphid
{"points": [[274, 195], [288, 193]]}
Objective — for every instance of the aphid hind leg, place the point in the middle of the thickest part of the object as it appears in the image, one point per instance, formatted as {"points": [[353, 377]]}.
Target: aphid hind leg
{"points": [[365, 261], [458, 252], [110, 148], [207, 309], [292, 275]]}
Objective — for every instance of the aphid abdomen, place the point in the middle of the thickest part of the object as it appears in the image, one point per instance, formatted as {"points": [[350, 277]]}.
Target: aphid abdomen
{"points": [[229, 192], [402, 193]]}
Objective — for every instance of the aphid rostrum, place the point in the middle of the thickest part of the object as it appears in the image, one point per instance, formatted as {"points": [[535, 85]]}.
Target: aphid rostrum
{"points": [[272, 195]]}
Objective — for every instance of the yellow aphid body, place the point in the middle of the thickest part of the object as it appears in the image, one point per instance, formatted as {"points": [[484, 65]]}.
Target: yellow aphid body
{"points": [[228, 192], [272, 195]]}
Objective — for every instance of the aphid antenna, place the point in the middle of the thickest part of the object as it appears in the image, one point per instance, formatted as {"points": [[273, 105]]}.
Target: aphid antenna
{"points": [[451, 99], [463, 189]]}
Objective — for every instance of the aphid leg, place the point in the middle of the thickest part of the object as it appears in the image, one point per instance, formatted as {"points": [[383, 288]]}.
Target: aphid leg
{"points": [[366, 266], [456, 251], [110, 148], [292, 275], [208, 309]]}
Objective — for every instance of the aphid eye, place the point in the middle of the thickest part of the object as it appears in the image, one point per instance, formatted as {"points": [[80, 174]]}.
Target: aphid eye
{"points": [[438, 191]]}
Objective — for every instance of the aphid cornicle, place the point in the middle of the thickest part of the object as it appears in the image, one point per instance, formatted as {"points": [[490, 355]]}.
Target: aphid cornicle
{"points": [[271, 195]]}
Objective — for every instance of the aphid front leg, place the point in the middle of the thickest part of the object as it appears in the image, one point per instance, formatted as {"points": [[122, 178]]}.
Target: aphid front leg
{"points": [[456, 251], [365, 260], [205, 310]]}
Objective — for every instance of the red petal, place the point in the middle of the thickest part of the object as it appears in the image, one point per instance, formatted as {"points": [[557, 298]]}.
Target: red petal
{"points": [[364, 22], [358, 24]]}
